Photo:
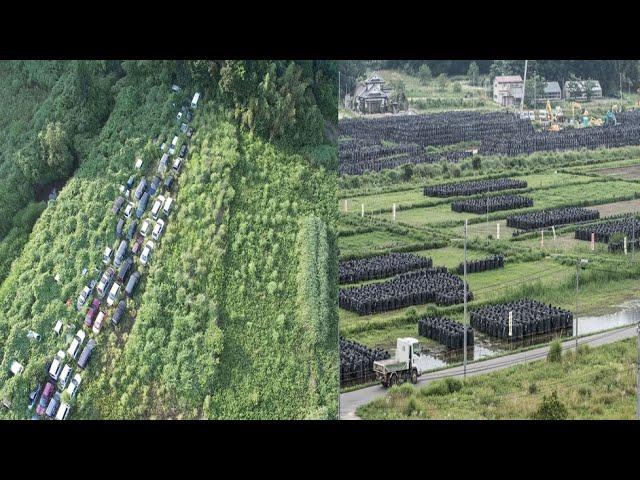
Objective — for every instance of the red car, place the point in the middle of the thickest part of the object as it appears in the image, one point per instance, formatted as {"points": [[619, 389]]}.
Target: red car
{"points": [[49, 390], [92, 312], [136, 246]]}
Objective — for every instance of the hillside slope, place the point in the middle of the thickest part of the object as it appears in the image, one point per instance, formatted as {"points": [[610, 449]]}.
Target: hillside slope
{"points": [[235, 317], [71, 234]]}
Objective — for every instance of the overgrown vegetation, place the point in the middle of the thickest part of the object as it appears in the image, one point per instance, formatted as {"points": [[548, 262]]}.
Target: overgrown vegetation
{"points": [[236, 316], [595, 384]]}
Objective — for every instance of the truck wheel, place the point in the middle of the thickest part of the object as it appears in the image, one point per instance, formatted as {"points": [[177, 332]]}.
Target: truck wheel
{"points": [[414, 376], [393, 380]]}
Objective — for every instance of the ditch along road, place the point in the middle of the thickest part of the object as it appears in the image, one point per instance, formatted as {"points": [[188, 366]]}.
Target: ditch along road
{"points": [[350, 401]]}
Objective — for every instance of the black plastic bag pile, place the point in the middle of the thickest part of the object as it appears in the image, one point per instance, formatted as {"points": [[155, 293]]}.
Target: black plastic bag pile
{"points": [[445, 331], [482, 265], [605, 230], [356, 361], [553, 217], [412, 288], [491, 204], [381, 266], [472, 188], [530, 318]]}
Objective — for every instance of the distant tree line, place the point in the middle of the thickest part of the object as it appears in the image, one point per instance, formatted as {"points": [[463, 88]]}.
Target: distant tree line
{"points": [[610, 73]]}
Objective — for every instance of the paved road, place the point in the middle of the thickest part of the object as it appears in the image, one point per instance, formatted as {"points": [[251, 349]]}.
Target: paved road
{"points": [[350, 401]]}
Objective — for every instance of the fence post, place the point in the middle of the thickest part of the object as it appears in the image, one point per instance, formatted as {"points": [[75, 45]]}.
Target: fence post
{"points": [[498, 231], [393, 212], [362, 210]]}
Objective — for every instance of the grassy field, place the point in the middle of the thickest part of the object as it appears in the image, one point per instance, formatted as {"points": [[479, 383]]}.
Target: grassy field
{"points": [[602, 193], [430, 97], [596, 383], [527, 272]]}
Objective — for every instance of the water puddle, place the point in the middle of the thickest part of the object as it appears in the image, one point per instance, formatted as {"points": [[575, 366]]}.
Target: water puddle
{"points": [[486, 346], [629, 314]]}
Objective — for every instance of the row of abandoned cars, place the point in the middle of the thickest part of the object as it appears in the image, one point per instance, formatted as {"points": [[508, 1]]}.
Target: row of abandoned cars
{"points": [[119, 275]]}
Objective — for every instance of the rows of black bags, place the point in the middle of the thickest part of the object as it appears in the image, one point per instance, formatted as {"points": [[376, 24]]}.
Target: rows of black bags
{"points": [[617, 247], [445, 331], [384, 163], [568, 139], [482, 265], [603, 231], [529, 318], [381, 266], [472, 188], [435, 129], [491, 204], [553, 217], [356, 361], [413, 288]]}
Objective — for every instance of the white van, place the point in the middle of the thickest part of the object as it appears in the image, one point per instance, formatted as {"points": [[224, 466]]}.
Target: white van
{"points": [[113, 294], [145, 228], [157, 231], [63, 411], [174, 142], [76, 343], [167, 206], [157, 206], [64, 376], [194, 102], [75, 383], [56, 365], [97, 325]]}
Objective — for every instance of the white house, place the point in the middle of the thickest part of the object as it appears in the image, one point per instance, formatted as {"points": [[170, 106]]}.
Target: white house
{"points": [[507, 89]]}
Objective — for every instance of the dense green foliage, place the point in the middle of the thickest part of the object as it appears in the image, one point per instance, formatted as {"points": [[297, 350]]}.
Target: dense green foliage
{"points": [[235, 316], [69, 237], [50, 113], [281, 100]]}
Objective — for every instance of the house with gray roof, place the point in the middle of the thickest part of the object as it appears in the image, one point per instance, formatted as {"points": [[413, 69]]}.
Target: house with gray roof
{"points": [[552, 91], [371, 96]]}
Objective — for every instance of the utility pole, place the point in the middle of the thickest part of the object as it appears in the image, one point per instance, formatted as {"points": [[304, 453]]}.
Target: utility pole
{"points": [[633, 238], [338, 88], [464, 320], [523, 86], [577, 283], [488, 231]]}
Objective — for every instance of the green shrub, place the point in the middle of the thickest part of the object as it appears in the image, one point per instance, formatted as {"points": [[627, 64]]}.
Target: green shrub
{"points": [[551, 408], [411, 409], [442, 387], [555, 351], [533, 388]]}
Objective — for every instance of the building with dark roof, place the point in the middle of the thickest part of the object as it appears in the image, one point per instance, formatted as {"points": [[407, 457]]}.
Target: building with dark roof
{"points": [[371, 96]]}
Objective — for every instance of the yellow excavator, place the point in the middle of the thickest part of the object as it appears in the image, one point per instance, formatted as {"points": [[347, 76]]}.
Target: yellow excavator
{"points": [[552, 118]]}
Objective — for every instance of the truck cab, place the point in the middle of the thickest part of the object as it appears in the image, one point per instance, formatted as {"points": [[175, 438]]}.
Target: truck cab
{"points": [[408, 364]]}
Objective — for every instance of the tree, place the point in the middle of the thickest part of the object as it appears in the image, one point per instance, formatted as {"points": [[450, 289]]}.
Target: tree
{"points": [[442, 82], [424, 74], [551, 408], [55, 148], [534, 90], [474, 74]]}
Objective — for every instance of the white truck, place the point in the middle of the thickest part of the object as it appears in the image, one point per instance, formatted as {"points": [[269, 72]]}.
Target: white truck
{"points": [[408, 364]]}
